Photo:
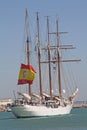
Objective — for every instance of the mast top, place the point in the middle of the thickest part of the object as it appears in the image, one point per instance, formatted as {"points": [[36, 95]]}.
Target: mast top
{"points": [[27, 25]]}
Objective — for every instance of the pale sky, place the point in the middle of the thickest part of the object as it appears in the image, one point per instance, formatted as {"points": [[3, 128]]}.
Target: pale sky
{"points": [[72, 16]]}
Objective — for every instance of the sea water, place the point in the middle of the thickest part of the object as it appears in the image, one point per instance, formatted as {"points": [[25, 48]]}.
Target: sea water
{"points": [[77, 120]]}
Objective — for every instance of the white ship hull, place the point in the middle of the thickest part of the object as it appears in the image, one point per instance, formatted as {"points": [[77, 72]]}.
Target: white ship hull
{"points": [[21, 111]]}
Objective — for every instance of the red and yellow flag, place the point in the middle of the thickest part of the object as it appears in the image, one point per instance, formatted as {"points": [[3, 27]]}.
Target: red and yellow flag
{"points": [[26, 75]]}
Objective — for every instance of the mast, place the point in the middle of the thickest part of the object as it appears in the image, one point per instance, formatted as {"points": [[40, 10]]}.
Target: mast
{"points": [[39, 55], [28, 45], [49, 62], [59, 47], [58, 53]]}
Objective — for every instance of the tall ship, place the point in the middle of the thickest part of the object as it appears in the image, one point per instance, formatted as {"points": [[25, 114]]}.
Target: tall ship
{"points": [[47, 73]]}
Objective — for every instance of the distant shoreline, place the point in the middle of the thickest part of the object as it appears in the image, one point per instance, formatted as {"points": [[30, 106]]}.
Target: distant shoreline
{"points": [[80, 105]]}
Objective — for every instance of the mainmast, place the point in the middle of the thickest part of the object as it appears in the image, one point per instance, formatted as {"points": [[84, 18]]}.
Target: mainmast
{"points": [[39, 55], [49, 58], [28, 45]]}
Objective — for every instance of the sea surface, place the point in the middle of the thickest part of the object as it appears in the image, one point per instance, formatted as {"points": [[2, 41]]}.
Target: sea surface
{"points": [[77, 120]]}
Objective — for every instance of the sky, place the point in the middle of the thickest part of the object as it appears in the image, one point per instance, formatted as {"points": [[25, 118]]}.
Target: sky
{"points": [[72, 16]]}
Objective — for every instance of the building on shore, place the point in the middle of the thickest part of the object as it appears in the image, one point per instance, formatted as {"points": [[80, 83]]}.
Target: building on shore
{"points": [[5, 104], [80, 104]]}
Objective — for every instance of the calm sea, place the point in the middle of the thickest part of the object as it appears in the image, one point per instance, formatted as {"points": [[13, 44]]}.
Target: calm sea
{"points": [[77, 120]]}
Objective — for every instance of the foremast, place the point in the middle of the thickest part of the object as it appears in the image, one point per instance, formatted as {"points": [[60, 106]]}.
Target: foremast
{"points": [[59, 47]]}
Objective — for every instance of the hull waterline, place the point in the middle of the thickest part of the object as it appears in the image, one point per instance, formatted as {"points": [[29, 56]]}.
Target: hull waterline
{"points": [[23, 111]]}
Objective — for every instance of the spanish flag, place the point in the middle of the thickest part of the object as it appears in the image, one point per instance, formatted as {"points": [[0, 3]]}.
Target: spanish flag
{"points": [[26, 74]]}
